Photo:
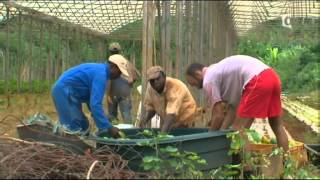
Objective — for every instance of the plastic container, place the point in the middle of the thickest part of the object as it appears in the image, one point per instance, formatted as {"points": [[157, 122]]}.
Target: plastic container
{"points": [[36, 132], [212, 146]]}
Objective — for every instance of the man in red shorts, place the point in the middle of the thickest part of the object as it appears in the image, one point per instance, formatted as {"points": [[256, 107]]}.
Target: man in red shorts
{"points": [[249, 87]]}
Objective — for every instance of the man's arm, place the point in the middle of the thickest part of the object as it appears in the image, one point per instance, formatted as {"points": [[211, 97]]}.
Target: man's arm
{"points": [[168, 121], [217, 116], [146, 118], [96, 107], [229, 119]]}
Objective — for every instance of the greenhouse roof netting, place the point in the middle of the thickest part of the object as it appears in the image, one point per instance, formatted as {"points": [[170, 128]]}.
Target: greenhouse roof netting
{"points": [[247, 14], [107, 16]]}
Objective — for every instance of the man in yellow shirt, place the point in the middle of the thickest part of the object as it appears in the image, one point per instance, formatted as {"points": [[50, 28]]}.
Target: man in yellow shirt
{"points": [[170, 99]]}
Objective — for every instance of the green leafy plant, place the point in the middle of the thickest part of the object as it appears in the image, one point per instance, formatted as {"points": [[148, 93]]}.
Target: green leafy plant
{"points": [[257, 161], [170, 162]]}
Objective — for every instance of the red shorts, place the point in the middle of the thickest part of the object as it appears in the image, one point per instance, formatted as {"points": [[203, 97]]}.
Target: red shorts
{"points": [[261, 97]]}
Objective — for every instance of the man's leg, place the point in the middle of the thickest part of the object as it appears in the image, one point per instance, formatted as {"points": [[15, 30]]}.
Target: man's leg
{"points": [[278, 129], [113, 108], [125, 109], [69, 110], [77, 115]]}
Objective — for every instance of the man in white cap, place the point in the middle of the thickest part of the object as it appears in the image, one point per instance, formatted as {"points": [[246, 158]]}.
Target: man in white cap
{"points": [[86, 83], [119, 94]]}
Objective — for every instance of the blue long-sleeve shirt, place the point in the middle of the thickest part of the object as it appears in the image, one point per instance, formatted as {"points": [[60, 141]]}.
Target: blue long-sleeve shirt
{"points": [[87, 83]]}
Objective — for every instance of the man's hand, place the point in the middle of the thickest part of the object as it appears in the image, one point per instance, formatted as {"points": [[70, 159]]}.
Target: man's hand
{"points": [[168, 121], [146, 118], [114, 132]]}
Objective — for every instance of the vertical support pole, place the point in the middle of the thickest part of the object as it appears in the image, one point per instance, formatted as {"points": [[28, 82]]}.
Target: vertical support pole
{"points": [[163, 36], [19, 58], [30, 57], [210, 36], [189, 31], [167, 26], [39, 61], [133, 55], [147, 43], [49, 73], [179, 15], [147, 39], [59, 54], [7, 58]]}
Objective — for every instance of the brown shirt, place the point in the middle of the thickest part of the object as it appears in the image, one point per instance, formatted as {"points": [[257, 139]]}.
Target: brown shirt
{"points": [[175, 99]]}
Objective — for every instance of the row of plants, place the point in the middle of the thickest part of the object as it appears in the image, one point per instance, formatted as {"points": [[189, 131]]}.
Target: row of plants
{"points": [[34, 86]]}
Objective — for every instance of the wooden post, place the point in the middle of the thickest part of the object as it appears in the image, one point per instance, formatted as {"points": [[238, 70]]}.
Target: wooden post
{"points": [[163, 37], [133, 55], [19, 59], [49, 62], [167, 26], [30, 56], [147, 39], [210, 36], [161, 45], [189, 31], [147, 43], [7, 58], [39, 61], [58, 66], [179, 15]]}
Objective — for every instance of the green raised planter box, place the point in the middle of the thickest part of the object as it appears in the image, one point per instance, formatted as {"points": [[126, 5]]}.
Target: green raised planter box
{"points": [[212, 146]]}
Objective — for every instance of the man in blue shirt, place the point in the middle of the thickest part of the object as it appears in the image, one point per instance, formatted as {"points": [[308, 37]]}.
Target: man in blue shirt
{"points": [[86, 83]]}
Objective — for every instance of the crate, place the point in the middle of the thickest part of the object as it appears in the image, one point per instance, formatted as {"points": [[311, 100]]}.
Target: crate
{"points": [[275, 168], [313, 151]]}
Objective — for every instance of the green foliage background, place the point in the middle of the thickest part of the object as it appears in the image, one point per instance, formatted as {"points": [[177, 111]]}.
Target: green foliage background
{"points": [[293, 53]]}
